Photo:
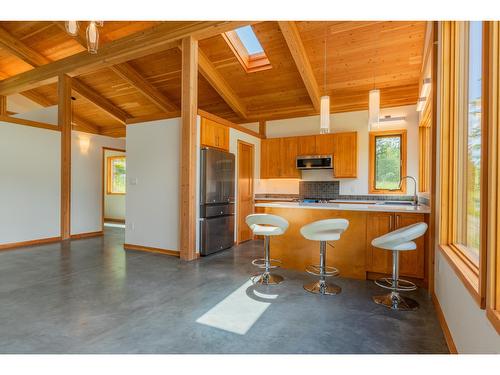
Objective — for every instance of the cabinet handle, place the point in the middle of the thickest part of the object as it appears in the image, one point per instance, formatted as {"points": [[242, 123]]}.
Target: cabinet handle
{"points": [[397, 221], [390, 223]]}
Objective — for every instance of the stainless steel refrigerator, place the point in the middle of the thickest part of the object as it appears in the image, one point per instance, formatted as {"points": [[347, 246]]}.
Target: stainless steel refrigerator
{"points": [[217, 187]]}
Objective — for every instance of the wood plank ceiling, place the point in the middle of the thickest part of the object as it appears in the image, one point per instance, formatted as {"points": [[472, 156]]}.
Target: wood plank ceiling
{"points": [[360, 56]]}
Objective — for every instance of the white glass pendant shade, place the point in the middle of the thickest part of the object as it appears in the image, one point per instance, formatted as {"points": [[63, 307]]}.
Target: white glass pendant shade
{"points": [[72, 27], [324, 127], [92, 37], [373, 109]]}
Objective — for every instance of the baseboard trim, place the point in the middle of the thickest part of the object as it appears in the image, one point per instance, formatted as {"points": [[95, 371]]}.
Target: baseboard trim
{"points": [[86, 235], [41, 241], [444, 326], [111, 220], [128, 246]]}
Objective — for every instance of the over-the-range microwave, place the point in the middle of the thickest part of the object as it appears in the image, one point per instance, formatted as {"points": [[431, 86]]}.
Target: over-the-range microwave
{"points": [[314, 162]]}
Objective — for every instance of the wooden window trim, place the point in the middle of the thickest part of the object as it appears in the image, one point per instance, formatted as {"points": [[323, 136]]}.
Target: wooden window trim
{"points": [[109, 183], [371, 171], [453, 97], [425, 147], [250, 63]]}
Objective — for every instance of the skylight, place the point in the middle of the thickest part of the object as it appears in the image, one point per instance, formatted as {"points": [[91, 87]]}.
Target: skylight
{"points": [[249, 40]]}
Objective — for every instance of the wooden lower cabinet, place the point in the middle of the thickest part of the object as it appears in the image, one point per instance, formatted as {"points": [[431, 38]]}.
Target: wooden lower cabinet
{"points": [[411, 263]]}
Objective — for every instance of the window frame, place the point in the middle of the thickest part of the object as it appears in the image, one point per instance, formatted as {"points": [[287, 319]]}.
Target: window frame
{"points": [[109, 176], [250, 62], [453, 143], [372, 160]]}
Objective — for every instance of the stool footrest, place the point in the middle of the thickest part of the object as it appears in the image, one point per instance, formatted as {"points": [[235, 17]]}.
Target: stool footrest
{"points": [[261, 263], [401, 284], [327, 271]]}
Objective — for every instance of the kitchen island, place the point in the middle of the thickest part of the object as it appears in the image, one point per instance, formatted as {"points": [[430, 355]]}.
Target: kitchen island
{"points": [[353, 254]]}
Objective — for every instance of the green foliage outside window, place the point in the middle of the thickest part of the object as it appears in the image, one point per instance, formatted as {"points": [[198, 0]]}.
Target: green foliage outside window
{"points": [[387, 162]]}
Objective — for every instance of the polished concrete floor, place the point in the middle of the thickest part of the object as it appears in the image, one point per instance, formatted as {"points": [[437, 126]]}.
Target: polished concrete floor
{"points": [[90, 296]]}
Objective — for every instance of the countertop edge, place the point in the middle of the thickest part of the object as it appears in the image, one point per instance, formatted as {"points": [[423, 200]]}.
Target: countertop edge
{"points": [[422, 209]]}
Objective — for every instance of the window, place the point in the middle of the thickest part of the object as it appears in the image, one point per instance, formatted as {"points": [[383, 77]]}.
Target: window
{"points": [[463, 154], [117, 167], [387, 162], [247, 49]]}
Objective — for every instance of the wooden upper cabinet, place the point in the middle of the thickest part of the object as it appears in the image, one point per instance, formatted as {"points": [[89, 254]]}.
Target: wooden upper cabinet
{"points": [[288, 156], [325, 144], [345, 158], [214, 134], [307, 145], [270, 152]]}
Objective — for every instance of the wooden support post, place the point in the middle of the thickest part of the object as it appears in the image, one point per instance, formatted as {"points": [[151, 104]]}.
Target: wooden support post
{"points": [[262, 129], [3, 105], [189, 109], [64, 117]]}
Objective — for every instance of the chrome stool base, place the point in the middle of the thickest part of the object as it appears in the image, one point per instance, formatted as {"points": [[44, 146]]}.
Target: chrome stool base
{"points": [[267, 278], [321, 287], [395, 301]]}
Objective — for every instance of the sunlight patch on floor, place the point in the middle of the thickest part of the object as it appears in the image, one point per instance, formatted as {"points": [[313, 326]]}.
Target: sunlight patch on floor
{"points": [[238, 312]]}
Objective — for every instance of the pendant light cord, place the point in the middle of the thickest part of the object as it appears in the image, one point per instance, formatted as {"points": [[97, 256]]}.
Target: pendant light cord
{"points": [[324, 82]]}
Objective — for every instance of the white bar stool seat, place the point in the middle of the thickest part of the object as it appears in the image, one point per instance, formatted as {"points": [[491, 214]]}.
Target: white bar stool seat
{"points": [[323, 231], [266, 225], [396, 241]]}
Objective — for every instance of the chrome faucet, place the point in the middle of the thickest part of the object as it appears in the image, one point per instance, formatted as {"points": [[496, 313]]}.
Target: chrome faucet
{"points": [[415, 196]]}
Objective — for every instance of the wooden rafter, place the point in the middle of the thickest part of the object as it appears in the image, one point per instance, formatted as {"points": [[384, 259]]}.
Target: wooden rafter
{"points": [[134, 78], [220, 85], [21, 50], [100, 101], [296, 47], [155, 39], [3, 105]]}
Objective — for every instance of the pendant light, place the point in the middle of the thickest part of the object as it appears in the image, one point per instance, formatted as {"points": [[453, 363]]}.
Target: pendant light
{"points": [[324, 127], [72, 27], [92, 37], [374, 102]]}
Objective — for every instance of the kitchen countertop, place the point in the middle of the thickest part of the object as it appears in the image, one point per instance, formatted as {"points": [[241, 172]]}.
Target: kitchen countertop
{"points": [[370, 207]]}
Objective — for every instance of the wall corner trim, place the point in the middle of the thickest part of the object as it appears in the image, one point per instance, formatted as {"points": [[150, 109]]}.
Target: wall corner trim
{"points": [[444, 326]]}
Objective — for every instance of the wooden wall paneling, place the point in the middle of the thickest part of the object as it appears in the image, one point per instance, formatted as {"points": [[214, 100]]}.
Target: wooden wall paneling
{"points": [[188, 148], [64, 120], [294, 42]]}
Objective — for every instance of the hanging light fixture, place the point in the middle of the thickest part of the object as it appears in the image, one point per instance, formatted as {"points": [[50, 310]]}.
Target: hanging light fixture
{"points": [[72, 27], [92, 37], [374, 102], [324, 127]]}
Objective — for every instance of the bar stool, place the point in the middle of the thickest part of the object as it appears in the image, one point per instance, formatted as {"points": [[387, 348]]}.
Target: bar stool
{"points": [[266, 225], [323, 231], [398, 240]]}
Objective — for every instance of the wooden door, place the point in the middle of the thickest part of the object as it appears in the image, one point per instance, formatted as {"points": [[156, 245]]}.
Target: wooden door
{"points": [[288, 156], [324, 144], [378, 224], [270, 158], [307, 145], [245, 189], [411, 263], [345, 159]]}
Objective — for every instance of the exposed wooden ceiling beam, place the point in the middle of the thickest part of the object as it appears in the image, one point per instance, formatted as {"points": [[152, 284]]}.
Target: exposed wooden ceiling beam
{"points": [[155, 39], [296, 47], [217, 81], [134, 78], [114, 132], [21, 50], [80, 37], [99, 100]]}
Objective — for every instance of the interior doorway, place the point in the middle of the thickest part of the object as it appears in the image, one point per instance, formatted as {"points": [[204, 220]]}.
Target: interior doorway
{"points": [[245, 189], [114, 178]]}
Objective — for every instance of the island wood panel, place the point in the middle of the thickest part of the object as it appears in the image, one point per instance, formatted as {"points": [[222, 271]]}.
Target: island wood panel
{"points": [[296, 252]]}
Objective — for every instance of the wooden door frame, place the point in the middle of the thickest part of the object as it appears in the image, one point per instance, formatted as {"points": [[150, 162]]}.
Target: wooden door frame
{"points": [[238, 201], [103, 177]]}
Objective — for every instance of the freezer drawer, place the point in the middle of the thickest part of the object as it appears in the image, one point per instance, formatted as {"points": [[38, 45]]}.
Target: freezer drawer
{"points": [[216, 234], [207, 211]]}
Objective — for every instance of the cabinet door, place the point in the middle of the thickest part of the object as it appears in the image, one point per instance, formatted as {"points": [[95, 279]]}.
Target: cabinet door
{"points": [[214, 134], [378, 224], [345, 159], [288, 155], [307, 145], [324, 144], [222, 137], [411, 263], [270, 158]]}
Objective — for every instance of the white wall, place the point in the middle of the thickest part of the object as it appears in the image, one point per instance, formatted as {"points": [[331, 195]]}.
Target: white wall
{"points": [[342, 122], [234, 137], [30, 183], [47, 115], [153, 201], [114, 204], [86, 180]]}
